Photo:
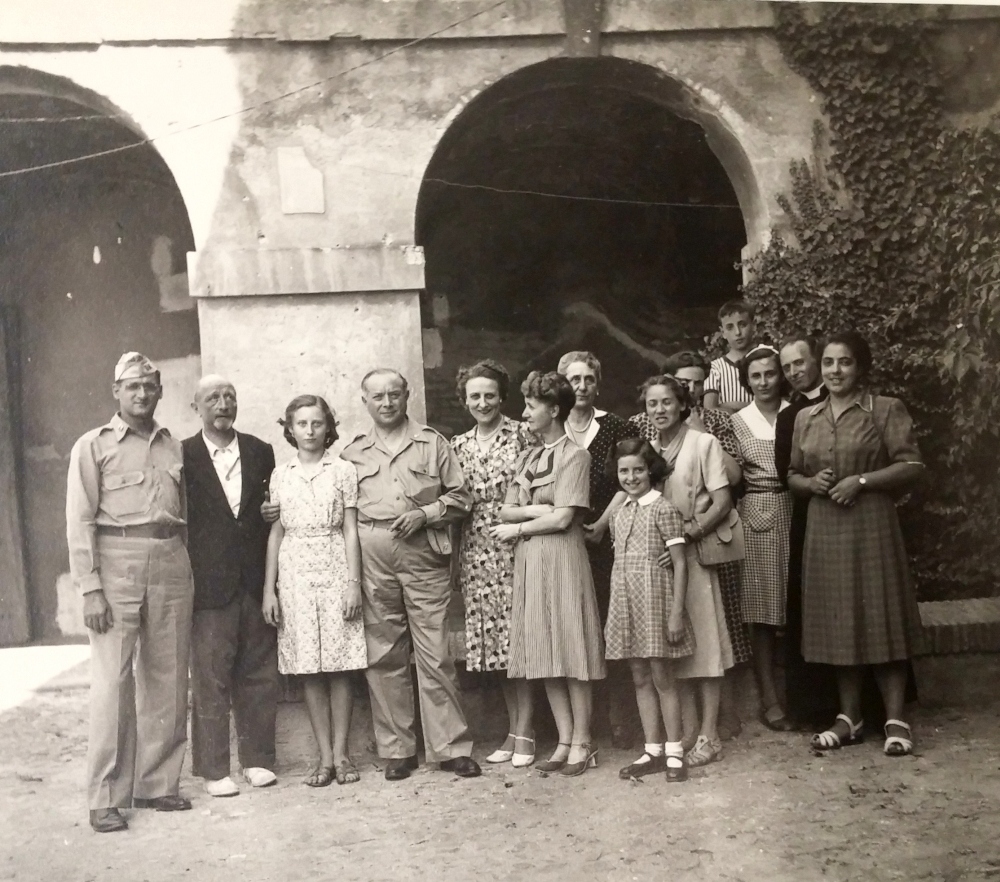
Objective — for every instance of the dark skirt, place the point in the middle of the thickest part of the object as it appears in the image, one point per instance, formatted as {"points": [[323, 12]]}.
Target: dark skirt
{"points": [[858, 603]]}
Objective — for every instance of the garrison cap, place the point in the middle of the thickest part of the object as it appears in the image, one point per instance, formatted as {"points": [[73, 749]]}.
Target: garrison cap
{"points": [[134, 364]]}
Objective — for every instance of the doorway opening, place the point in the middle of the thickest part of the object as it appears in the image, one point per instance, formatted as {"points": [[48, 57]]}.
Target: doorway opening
{"points": [[93, 260], [573, 205]]}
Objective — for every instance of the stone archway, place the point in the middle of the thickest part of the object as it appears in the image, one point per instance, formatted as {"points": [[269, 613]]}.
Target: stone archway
{"points": [[634, 270], [93, 264]]}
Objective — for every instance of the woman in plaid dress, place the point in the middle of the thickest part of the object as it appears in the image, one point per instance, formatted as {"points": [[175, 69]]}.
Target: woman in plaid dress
{"points": [[648, 624], [766, 509], [849, 454]]}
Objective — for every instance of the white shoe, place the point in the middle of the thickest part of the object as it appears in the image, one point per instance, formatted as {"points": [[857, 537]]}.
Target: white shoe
{"points": [[521, 760], [258, 777], [223, 787], [500, 755]]}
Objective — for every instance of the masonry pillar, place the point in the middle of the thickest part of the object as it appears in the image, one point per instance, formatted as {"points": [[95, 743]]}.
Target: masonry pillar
{"points": [[283, 322]]}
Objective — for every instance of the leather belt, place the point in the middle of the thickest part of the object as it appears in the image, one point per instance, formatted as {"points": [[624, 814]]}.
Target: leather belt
{"points": [[376, 523], [141, 531]]}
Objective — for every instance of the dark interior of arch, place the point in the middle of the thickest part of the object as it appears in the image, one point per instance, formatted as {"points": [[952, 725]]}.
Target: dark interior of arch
{"points": [[92, 263], [522, 277]]}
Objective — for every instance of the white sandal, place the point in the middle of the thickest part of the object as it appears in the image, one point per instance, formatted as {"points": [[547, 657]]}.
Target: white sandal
{"points": [[522, 760], [830, 740], [500, 755], [897, 745]]}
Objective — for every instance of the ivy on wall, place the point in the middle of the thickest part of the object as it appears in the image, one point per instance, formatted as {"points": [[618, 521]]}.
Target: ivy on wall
{"points": [[894, 229]]}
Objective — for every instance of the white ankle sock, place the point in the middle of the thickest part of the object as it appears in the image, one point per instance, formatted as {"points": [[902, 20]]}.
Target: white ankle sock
{"points": [[675, 753], [653, 749]]}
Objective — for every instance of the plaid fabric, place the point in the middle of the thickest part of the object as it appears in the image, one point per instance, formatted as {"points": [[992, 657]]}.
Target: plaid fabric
{"points": [[729, 587], [642, 592], [858, 603], [766, 510]]}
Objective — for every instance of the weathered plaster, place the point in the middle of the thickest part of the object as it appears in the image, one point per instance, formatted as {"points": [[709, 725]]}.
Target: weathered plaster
{"points": [[274, 348]]}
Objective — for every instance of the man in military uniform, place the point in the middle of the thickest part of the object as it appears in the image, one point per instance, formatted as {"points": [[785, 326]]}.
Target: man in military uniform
{"points": [[125, 521], [410, 489]]}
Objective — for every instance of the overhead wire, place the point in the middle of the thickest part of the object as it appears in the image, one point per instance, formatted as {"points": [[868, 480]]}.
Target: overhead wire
{"points": [[110, 151]]}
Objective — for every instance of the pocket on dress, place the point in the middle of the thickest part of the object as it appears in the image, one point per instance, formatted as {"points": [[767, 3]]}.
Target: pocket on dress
{"points": [[124, 493]]}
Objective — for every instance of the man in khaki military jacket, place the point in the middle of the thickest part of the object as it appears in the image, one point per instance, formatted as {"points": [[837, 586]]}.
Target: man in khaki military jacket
{"points": [[410, 489], [125, 522]]}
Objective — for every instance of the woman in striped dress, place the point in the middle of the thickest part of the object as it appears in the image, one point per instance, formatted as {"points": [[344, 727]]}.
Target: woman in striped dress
{"points": [[766, 510], [849, 454], [555, 630]]}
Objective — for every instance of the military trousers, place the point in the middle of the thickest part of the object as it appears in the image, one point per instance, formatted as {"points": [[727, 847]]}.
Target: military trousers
{"points": [[406, 590], [139, 672]]}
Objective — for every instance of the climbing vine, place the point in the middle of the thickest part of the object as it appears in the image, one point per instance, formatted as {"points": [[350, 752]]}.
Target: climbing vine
{"points": [[893, 227]]}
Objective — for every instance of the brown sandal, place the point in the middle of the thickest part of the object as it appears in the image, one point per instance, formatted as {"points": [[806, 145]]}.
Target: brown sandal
{"points": [[347, 773], [321, 776]]}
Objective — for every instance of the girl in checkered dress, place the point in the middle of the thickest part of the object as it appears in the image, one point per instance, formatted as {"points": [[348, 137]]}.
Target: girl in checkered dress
{"points": [[647, 621]]}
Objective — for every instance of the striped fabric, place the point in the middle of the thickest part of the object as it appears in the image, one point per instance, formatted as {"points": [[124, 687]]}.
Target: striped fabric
{"points": [[555, 628], [724, 378]]}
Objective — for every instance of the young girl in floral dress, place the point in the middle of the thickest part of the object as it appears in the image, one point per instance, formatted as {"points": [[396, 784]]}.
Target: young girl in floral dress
{"points": [[312, 587]]}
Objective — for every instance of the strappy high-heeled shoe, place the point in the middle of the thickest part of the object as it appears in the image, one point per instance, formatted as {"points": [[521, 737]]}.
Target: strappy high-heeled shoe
{"points": [[553, 765], [500, 755], [521, 760], [572, 770]]}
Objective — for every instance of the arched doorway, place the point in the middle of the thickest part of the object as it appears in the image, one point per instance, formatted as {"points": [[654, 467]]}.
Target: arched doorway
{"points": [[634, 270], [93, 264]]}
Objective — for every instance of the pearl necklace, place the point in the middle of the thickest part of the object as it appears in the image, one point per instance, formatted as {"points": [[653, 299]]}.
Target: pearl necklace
{"points": [[578, 435], [481, 438]]}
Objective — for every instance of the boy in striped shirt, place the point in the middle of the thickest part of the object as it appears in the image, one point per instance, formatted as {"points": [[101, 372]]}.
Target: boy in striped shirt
{"points": [[723, 388]]}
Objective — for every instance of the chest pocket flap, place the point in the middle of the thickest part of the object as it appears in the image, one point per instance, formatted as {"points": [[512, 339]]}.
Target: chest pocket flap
{"points": [[124, 493], [423, 482]]}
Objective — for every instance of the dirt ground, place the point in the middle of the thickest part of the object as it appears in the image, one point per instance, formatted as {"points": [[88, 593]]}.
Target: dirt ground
{"points": [[769, 811]]}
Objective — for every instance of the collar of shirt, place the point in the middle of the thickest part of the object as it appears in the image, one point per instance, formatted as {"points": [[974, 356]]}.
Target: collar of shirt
{"points": [[648, 498], [414, 432], [121, 428], [866, 401], [756, 422], [295, 464], [813, 394], [231, 449]]}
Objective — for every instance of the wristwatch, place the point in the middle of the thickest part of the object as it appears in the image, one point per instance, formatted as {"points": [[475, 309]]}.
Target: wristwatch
{"points": [[862, 480]]}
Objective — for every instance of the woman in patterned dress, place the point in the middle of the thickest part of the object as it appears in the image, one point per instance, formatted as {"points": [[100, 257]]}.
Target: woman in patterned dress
{"points": [[849, 454], [597, 432], [488, 454], [698, 485], [766, 509], [312, 587], [555, 632]]}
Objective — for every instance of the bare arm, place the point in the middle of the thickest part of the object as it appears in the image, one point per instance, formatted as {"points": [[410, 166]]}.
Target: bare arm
{"points": [[705, 522], [270, 606], [675, 622], [558, 520], [519, 514], [733, 471], [352, 545]]}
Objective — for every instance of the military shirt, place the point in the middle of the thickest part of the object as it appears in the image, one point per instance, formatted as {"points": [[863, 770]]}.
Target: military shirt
{"points": [[424, 473], [117, 478]]}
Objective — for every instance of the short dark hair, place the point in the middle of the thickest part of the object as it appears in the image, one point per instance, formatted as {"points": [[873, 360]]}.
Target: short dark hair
{"points": [[759, 353], [858, 345], [686, 359], [797, 336], [736, 307], [300, 401], [679, 390], [487, 369], [658, 468], [552, 388]]}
